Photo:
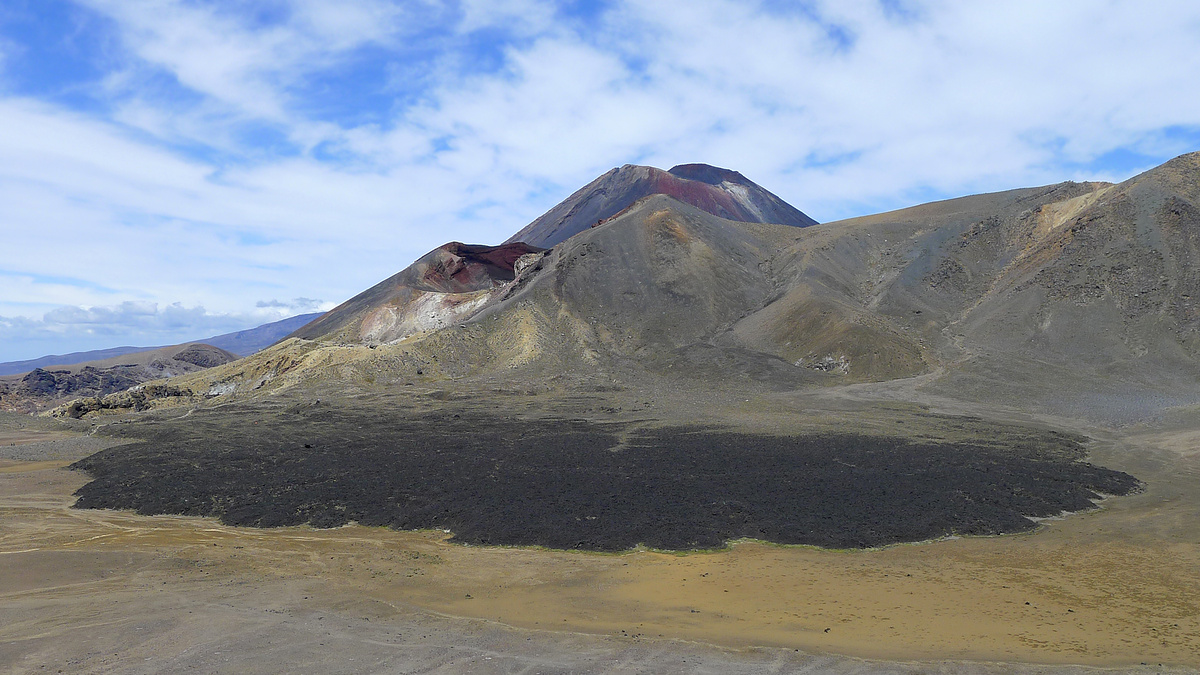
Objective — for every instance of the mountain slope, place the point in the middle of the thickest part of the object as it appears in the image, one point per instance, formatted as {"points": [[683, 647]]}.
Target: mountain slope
{"points": [[720, 192], [246, 342], [1074, 297], [440, 288], [654, 290]]}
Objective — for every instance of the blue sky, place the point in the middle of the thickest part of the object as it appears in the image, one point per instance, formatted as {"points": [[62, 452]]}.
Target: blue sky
{"points": [[171, 169]]}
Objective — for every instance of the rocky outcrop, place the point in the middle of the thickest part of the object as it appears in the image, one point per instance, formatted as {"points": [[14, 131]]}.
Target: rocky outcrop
{"points": [[442, 288], [464, 268], [43, 388], [86, 381], [136, 399], [203, 356]]}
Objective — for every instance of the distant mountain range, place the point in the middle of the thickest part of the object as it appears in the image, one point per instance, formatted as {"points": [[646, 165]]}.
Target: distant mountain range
{"points": [[253, 340], [240, 343]]}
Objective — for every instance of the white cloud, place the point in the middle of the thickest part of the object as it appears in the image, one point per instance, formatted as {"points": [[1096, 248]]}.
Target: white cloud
{"points": [[525, 17], [950, 102], [140, 324], [295, 305], [217, 51], [83, 199]]}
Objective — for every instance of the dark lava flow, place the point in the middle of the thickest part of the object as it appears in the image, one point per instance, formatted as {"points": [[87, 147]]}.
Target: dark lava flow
{"points": [[572, 484]]}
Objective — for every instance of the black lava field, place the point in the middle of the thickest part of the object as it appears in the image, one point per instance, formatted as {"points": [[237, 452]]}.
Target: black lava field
{"points": [[575, 484]]}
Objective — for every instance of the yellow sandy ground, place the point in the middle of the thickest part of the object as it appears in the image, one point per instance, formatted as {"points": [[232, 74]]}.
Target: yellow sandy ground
{"points": [[24, 436], [1071, 593]]}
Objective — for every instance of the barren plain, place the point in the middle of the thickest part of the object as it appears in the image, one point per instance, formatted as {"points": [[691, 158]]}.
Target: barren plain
{"points": [[113, 591]]}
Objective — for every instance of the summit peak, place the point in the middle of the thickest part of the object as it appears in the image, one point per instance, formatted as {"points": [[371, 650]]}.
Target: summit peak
{"points": [[720, 192]]}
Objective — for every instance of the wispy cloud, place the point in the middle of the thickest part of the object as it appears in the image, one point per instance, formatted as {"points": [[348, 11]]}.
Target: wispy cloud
{"points": [[132, 323], [246, 56], [211, 154], [295, 305]]}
